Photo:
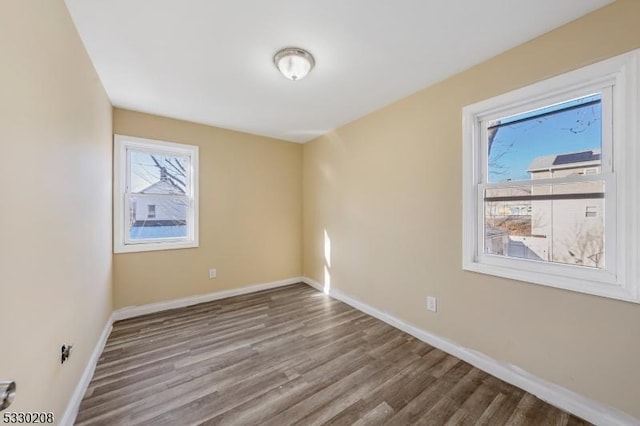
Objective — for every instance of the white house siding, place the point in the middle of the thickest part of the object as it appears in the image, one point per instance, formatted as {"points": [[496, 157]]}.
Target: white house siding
{"points": [[578, 239], [562, 230], [496, 241], [168, 211]]}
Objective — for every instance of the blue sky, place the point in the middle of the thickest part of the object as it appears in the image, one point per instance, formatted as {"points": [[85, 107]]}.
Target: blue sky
{"points": [[516, 145], [144, 172]]}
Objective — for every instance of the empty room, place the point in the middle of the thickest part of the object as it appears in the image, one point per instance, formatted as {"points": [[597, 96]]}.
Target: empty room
{"points": [[336, 212]]}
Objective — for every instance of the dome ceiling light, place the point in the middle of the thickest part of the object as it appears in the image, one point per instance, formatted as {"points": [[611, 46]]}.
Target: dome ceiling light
{"points": [[293, 62]]}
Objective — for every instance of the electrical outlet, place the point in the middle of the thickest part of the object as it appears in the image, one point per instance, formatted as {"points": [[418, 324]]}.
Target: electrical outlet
{"points": [[212, 273], [432, 304], [65, 353]]}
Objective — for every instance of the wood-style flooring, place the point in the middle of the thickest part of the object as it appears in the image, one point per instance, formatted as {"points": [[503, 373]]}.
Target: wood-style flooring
{"points": [[287, 356]]}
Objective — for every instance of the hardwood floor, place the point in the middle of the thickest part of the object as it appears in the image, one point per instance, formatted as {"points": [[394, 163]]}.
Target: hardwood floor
{"points": [[291, 356]]}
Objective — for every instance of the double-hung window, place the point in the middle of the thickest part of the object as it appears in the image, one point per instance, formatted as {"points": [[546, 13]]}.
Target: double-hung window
{"points": [[550, 181], [155, 195]]}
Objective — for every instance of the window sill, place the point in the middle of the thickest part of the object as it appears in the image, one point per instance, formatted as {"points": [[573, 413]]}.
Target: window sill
{"points": [[134, 248], [580, 285]]}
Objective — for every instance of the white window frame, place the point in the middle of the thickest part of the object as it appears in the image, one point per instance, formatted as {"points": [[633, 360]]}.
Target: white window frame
{"points": [[617, 79], [121, 242]]}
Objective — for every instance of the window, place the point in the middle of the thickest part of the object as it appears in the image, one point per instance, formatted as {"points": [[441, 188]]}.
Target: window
{"points": [[549, 173], [155, 195]]}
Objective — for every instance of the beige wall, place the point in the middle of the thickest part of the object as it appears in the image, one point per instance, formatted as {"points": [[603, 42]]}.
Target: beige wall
{"points": [[387, 190], [375, 186], [250, 215], [55, 191]]}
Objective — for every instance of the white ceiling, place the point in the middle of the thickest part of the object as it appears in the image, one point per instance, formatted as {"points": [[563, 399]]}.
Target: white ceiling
{"points": [[210, 61]]}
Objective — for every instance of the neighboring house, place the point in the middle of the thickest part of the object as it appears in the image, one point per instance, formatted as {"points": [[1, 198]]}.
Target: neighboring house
{"points": [[559, 223], [496, 240], [161, 210], [510, 208], [567, 226]]}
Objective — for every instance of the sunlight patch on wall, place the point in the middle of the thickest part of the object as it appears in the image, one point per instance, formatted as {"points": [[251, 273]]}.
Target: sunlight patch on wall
{"points": [[327, 262]]}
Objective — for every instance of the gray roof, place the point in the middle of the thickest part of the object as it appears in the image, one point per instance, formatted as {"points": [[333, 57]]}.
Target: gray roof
{"points": [[565, 161]]}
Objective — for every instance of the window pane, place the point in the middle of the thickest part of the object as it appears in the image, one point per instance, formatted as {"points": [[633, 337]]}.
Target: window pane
{"points": [[554, 141], [158, 173], [562, 223], [157, 217]]}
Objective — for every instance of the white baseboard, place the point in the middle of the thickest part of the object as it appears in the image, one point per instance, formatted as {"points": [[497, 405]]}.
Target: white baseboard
{"points": [[71, 412], [136, 311], [315, 284], [558, 396]]}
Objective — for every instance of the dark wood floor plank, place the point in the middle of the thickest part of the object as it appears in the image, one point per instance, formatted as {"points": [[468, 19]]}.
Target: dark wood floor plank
{"points": [[432, 400], [287, 356], [491, 410], [340, 403], [477, 404], [377, 416], [257, 410], [525, 411]]}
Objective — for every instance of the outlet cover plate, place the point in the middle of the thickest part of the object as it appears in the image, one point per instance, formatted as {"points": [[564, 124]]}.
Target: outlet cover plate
{"points": [[432, 304]]}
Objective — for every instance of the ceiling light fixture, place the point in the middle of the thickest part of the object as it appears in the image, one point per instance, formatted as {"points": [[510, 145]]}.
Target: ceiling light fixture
{"points": [[294, 63]]}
